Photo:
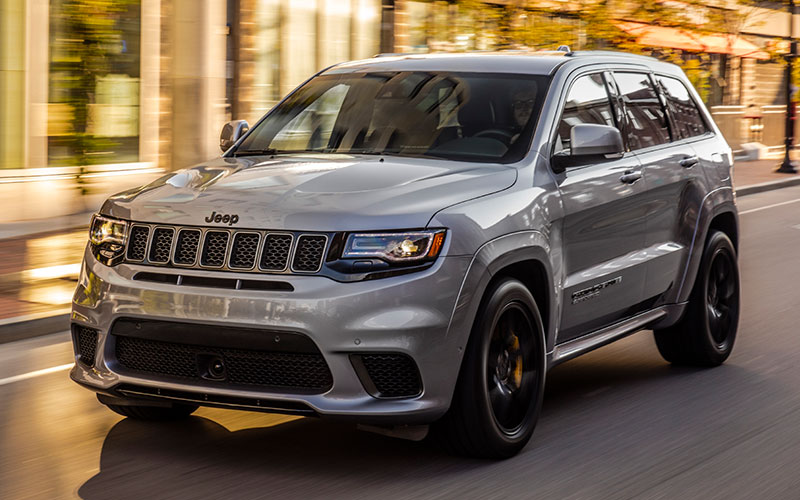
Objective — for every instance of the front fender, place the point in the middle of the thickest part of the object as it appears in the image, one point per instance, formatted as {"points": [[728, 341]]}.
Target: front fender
{"points": [[491, 258]]}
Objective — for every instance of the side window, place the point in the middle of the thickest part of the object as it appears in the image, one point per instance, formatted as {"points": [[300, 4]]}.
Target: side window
{"points": [[647, 122], [587, 102], [685, 114]]}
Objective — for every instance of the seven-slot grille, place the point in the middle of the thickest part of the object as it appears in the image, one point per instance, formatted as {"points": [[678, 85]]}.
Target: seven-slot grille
{"points": [[226, 249]]}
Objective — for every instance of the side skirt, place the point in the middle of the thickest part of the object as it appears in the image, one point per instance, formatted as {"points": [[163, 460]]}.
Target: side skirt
{"points": [[589, 342]]}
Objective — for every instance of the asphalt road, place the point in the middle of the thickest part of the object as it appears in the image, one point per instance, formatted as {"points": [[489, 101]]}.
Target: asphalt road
{"points": [[617, 423]]}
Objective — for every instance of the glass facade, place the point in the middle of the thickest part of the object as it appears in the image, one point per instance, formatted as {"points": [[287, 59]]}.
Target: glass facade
{"points": [[93, 111], [12, 84]]}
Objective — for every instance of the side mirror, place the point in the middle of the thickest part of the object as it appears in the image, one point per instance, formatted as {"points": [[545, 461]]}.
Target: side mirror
{"points": [[589, 142], [231, 133]]}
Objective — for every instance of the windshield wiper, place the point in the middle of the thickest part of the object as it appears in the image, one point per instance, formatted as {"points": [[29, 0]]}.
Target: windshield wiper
{"points": [[256, 152]]}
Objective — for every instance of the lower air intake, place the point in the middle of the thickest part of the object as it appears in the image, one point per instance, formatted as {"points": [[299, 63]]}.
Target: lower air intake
{"points": [[85, 340], [388, 375], [285, 370]]}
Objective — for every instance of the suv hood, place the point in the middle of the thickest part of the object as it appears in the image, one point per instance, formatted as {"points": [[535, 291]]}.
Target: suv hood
{"points": [[311, 192]]}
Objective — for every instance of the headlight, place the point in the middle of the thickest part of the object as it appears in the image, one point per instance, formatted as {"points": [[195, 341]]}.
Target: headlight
{"points": [[107, 237], [105, 230], [397, 247]]}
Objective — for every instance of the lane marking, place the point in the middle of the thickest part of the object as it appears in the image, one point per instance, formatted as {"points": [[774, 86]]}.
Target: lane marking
{"points": [[769, 206], [37, 373]]}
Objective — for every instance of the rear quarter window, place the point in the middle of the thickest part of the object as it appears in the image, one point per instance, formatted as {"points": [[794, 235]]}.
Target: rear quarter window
{"points": [[686, 116]]}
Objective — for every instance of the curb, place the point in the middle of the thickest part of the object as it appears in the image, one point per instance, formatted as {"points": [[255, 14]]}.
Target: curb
{"points": [[33, 325], [768, 186]]}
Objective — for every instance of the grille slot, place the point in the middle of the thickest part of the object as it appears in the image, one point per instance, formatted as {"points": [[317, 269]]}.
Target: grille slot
{"points": [[85, 340], [309, 252], [137, 245], [388, 375], [302, 371], [161, 245], [214, 248], [186, 247], [275, 256], [244, 250]]}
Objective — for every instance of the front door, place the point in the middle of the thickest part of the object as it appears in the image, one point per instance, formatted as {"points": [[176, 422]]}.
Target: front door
{"points": [[604, 222]]}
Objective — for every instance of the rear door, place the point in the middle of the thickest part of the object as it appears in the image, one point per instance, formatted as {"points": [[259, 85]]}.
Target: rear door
{"points": [[604, 220], [663, 137]]}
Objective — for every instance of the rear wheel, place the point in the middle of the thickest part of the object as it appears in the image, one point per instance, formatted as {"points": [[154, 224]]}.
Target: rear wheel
{"points": [[706, 333], [499, 393]]}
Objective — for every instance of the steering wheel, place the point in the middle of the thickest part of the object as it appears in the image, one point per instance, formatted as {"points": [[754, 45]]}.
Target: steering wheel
{"points": [[503, 135]]}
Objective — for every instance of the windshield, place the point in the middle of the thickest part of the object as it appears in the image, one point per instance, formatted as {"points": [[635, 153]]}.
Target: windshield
{"points": [[461, 116]]}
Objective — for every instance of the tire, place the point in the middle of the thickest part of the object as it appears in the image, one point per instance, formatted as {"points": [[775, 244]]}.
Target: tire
{"points": [[498, 396], [706, 333], [154, 413]]}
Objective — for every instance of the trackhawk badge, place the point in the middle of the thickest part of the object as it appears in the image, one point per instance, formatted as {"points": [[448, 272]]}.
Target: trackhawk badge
{"points": [[229, 219], [593, 291]]}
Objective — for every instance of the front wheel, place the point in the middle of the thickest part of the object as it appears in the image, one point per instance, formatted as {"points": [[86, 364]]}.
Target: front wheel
{"points": [[706, 333], [500, 387]]}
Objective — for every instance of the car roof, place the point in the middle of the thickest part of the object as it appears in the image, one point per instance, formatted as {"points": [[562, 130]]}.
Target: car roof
{"points": [[507, 61]]}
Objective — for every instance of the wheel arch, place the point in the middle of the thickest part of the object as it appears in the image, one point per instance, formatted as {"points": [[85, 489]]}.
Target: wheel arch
{"points": [[524, 256], [718, 212]]}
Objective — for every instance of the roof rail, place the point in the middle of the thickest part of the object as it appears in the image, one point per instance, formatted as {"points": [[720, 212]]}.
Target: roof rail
{"points": [[390, 54]]}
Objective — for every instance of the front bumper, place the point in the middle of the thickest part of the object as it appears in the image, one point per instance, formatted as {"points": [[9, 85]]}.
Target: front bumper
{"points": [[408, 314]]}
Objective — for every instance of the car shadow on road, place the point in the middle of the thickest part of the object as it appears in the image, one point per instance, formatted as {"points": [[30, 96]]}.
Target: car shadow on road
{"points": [[317, 458]]}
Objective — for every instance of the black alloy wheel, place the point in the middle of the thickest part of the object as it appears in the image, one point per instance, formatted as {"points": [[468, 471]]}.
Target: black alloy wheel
{"points": [[511, 373], [498, 396], [723, 298], [705, 334]]}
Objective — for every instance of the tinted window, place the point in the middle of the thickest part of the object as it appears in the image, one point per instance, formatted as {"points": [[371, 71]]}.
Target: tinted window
{"points": [[647, 123], [685, 115], [462, 116], [587, 102]]}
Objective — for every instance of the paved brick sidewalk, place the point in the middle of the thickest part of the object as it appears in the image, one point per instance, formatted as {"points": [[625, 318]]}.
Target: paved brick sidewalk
{"points": [[749, 173]]}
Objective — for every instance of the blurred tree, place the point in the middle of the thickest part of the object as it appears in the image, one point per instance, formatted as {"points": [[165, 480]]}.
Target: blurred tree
{"points": [[586, 25], [88, 36]]}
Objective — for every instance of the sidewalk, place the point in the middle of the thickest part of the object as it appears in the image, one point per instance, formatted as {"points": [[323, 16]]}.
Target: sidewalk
{"points": [[756, 176], [40, 260]]}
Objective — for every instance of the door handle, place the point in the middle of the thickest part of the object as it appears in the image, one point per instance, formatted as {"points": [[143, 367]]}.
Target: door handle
{"points": [[630, 177], [689, 162]]}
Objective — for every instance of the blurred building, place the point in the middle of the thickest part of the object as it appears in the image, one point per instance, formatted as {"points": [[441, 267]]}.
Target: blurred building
{"points": [[172, 72]]}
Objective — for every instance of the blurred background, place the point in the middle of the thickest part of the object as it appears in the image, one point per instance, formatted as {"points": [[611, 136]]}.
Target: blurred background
{"points": [[99, 95]]}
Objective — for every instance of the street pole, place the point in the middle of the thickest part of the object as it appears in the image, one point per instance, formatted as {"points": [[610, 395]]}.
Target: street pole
{"points": [[787, 167]]}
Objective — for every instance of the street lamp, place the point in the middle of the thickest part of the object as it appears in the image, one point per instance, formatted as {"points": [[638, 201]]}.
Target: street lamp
{"points": [[786, 167]]}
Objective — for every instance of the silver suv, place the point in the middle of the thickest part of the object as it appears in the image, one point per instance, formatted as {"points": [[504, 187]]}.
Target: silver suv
{"points": [[412, 241]]}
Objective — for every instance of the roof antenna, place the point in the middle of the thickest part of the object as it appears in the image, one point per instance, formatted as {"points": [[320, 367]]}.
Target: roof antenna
{"points": [[564, 48]]}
